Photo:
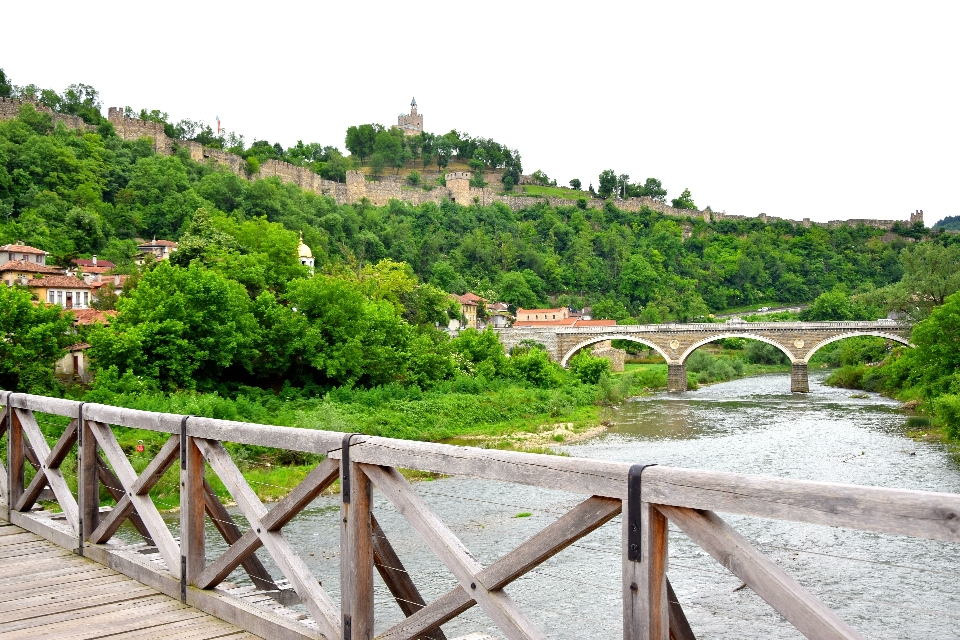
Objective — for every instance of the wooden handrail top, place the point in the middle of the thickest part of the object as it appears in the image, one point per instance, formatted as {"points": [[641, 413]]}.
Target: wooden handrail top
{"points": [[924, 514]]}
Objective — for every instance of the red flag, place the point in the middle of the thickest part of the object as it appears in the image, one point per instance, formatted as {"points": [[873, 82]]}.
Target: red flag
{"points": [[218, 125]]}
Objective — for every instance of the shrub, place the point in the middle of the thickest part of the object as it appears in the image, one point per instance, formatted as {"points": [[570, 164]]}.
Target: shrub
{"points": [[588, 368], [947, 408], [763, 353], [414, 178]]}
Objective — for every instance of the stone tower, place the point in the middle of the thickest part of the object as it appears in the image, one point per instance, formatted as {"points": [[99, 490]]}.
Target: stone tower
{"points": [[458, 182], [917, 217], [411, 123]]}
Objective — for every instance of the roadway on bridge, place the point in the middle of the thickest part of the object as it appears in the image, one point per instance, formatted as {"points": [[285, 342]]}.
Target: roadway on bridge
{"points": [[47, 591]]}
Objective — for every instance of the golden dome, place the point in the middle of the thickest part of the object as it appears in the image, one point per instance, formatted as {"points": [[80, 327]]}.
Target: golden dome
{"points": [[304, 250]]}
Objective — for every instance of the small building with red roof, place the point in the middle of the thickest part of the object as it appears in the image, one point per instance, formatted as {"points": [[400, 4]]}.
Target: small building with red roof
{"points": [[22, 252], [160, 249]]}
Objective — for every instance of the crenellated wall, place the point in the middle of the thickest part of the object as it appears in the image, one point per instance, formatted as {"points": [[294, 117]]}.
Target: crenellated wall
{"points": [[380, 192]]}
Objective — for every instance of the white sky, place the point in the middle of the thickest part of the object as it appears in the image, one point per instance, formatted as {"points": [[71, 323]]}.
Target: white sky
{"points": [[827, 110]]}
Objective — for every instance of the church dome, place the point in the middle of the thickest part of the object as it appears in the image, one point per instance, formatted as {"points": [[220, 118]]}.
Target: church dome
{"points": [[304, 250]]}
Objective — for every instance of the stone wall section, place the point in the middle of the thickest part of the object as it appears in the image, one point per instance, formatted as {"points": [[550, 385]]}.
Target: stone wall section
{"points": [[380, 192]]}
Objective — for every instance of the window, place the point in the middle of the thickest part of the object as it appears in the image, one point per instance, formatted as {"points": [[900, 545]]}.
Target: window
{"points": [[60, 298], [86, 298], [554, 316], [51, 296]]}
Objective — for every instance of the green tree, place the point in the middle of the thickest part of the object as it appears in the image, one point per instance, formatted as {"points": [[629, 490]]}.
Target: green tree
{"points": [[360, 139], [34, 338], [575, 184], [931, 273], [350, 339], [6, 85], [685, 201], [184, 328], [607, 182]]}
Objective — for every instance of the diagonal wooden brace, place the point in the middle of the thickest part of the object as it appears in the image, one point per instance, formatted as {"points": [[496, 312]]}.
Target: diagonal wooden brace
{"points": [[142, 485], [586, 517], [54, 477], [312, 595], [321, 477], [398, 580], [230, 532], [494, 601], [167, 547], [810, 616], [52, 461]]}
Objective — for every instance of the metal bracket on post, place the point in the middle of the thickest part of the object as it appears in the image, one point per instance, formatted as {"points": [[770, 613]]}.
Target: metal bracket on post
{"points": [[183, 470], [634, 512], [345, 467], [81, 494]]}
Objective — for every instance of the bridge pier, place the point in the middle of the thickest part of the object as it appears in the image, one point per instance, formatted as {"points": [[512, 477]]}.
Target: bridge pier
{"points": [[676, 377], [798, 378]]}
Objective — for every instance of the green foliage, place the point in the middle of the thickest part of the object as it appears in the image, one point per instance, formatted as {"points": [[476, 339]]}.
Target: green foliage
{"points": [[685, 201], [762, 353], [413, 178], [184, 328], [947, 409], [588, 368], [607, 183], [576, 185], [835, 305], [33, 340]]}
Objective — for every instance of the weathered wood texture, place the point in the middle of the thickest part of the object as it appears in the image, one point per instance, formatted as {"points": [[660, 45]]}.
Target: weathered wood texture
{"points": [[495, 603], [356, 554], [810, 616], [645, 606], [75, 598], [313, 596]]}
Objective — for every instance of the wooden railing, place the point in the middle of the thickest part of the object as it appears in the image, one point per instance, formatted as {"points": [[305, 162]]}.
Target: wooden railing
{"points": [[649, 496]]}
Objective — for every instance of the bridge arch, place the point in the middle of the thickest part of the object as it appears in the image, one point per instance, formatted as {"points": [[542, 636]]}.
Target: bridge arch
{"points": [[854, 334], [595, 339], [746, 336]]}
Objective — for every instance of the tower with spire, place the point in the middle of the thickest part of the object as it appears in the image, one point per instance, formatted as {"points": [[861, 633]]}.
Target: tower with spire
{"points": [[411, 123]]}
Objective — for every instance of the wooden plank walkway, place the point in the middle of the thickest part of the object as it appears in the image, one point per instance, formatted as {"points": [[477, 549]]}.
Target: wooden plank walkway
{"points": [[47, 591]]}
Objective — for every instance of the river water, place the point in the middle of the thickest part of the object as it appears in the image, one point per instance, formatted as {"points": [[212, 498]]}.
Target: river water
{"points": [[884, 586]]}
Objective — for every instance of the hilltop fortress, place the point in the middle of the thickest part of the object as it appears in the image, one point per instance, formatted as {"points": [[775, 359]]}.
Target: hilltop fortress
{"points": [[381, 192]]}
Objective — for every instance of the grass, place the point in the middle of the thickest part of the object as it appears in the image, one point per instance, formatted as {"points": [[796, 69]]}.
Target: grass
{"points": [[555, 192]]}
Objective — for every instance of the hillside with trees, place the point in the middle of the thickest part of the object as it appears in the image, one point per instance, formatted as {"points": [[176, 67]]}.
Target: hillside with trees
{"points": [[235, 313]]}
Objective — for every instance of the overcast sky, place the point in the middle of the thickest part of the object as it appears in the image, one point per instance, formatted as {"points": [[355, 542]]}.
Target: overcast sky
{"points": [[827, 110]]}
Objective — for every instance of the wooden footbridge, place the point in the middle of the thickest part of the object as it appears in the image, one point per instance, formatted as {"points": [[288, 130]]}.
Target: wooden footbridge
{"points": [[176, 577]]}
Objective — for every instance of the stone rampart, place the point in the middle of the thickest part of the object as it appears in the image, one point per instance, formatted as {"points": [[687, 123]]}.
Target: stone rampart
{"points": [[10, 108], [380, 192]]}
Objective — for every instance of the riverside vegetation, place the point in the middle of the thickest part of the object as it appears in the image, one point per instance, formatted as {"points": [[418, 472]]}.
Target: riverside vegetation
{"points": [[233, 326]]}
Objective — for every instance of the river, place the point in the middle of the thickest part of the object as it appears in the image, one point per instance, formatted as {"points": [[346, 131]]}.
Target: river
{"points": [[884, 586]]}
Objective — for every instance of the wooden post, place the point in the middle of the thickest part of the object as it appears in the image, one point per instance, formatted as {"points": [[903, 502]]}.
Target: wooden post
{"points": [[14, 460], [356, 554], [192, 512], [645, 604], [88, 489]]}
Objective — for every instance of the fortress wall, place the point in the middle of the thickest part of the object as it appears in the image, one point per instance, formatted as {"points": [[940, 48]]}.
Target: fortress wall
{"points": [[10, 108], [380, 192]]}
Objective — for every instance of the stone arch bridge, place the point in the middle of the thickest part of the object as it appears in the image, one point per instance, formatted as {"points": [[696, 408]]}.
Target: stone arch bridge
{"points": [[675, 342]]}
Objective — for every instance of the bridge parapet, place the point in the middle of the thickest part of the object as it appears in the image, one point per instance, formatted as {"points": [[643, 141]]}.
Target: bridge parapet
{"points": [[675, 342]]}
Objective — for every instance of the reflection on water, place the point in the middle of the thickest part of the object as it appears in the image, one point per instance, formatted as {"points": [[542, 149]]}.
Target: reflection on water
{"points": [[885, 586]]}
